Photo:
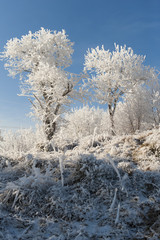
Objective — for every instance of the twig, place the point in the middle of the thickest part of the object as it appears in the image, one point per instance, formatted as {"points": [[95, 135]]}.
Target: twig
{"points": [[38, 100], [117, 217], [32, 103]]}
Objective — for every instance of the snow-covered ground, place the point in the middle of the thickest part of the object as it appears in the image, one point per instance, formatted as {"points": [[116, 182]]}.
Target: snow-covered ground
{"points": [[105, 188]]}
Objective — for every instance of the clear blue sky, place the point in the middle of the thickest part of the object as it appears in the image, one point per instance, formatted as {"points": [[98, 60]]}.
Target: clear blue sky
{"points": [[88, 23]]}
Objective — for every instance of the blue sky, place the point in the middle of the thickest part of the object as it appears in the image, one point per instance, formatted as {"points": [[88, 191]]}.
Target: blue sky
{"points": [[88, 23]]}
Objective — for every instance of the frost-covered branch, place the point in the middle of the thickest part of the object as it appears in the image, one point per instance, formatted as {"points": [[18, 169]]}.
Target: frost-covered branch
{"points": [[40, 59], [113, 74]]}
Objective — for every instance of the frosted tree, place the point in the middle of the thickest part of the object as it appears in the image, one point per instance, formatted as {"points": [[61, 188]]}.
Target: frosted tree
{"points": [[112, 74], [153, 91], [134, 112], [83, 121], [40, 59]]}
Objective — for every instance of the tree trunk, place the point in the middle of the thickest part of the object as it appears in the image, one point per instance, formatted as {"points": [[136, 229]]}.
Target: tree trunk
{"points": [[112, 126], [111, 115], [139, 122], [50, 129], [49, 124]]}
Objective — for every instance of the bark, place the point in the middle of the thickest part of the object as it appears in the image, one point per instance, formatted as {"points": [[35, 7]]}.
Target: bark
{"points": [[112, 108], [139, 123], [156, 116], [131, 124], [49, 124], [111, 115], [130, 117]]}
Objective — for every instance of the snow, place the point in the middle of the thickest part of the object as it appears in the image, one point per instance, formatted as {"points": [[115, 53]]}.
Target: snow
{"points": [[110, 190]]}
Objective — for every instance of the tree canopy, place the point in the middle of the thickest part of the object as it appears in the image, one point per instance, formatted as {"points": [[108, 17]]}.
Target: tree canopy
{"points": [[112, 74], [40, 59]]}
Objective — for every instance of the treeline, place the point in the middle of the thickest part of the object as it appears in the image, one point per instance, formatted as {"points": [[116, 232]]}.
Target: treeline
{"points": [[116, 79]]}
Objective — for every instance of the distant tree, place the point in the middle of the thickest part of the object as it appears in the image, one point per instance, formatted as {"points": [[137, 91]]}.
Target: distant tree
{"points": [[40, 59], [112, 74], [153, 91], [1, 138], [83, 121], [134, 112]]}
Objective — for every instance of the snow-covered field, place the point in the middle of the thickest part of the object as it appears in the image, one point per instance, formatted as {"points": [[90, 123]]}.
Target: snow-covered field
{"points": [[106, 188]]}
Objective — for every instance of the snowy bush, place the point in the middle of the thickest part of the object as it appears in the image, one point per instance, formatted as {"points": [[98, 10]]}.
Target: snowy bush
{"points": [[85, 121], [14, 144]]}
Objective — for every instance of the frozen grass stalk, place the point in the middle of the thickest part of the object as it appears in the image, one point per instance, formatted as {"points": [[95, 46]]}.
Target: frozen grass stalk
{"points": [[117, 217], [114, 166], [122, 180], [61, 169], [114, 200], [116, 170], [15, 199]]}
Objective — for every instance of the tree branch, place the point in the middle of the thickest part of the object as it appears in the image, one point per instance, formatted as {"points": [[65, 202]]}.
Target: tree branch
{"points": [[32, 103], [38, 101]]}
